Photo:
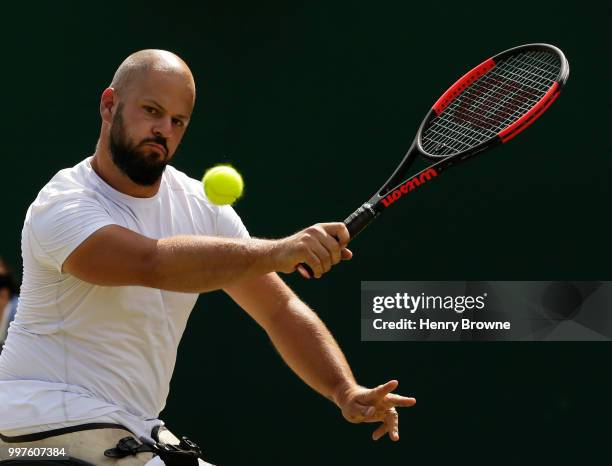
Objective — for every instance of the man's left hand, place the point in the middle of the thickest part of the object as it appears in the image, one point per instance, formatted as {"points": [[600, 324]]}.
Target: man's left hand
{"points": [[361, 404]]}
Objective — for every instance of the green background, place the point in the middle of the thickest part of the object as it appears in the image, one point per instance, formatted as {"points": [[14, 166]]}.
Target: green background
{"points": [[316, 102]]}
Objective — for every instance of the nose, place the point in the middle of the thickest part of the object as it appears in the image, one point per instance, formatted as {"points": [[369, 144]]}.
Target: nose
{"points": [[163, 127]]}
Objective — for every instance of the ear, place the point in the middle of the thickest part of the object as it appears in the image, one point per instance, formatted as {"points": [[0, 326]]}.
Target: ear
{"points": [[108, 102]]}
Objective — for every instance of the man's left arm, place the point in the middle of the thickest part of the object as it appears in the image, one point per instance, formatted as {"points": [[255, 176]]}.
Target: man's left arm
{"points": [[308, 347]]}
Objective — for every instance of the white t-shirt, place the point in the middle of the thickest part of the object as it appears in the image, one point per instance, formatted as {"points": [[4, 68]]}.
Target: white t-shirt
{"points": [[79, 353]]}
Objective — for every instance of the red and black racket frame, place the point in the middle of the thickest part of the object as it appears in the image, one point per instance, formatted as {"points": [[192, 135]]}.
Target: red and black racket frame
{"points": [[397, 186]]}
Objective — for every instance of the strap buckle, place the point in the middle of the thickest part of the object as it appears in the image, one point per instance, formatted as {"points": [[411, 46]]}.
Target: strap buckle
{"points": [[125, 447]]}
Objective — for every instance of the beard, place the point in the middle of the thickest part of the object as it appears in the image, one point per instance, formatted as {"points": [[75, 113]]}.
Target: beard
{"points": [[144, 169]]}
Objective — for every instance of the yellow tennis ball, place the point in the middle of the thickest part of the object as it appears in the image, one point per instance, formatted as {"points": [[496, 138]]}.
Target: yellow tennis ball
{"points": [[222, 184]]}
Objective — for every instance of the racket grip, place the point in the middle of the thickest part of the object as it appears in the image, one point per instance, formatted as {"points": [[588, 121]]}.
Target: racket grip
{"points": [[355, 223], [360, 219]]}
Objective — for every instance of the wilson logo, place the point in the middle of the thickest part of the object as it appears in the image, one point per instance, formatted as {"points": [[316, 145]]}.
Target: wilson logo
{"points": [[408, 186]]}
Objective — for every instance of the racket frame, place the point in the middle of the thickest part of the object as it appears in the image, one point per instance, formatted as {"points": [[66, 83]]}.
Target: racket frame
{"points": [[398, 184]]}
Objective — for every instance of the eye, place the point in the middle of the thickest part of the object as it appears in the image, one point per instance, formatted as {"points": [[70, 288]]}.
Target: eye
{"points": [[177, 122], [151, 110]]}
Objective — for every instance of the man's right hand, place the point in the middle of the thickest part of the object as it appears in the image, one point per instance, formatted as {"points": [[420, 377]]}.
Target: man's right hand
{"points": [[319, 246]]}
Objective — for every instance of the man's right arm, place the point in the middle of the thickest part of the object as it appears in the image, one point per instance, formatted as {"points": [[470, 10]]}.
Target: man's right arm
{"points": [[116, 256]]}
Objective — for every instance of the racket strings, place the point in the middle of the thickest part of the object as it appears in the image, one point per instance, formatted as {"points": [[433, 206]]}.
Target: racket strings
{"points": [[492, 103]]}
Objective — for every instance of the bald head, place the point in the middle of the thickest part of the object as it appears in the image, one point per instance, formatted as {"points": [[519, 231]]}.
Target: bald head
{"points": [[145, 112], [143, 64]]}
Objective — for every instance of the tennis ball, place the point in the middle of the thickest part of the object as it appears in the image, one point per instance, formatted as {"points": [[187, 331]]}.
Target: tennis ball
{"points": [[222, 184]]}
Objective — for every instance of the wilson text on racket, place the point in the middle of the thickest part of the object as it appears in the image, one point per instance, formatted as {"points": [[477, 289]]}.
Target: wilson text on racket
{"points": [[408, 186]]}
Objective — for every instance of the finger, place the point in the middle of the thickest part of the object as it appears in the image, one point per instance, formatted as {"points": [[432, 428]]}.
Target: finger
{"points": [[343, 234], [392, 423], [378, 393], [379, 432], [346, 254], [333, 246], [329, 242], [339, 231], [323, 254], [303, 272], [392, 400], [314, 263]]}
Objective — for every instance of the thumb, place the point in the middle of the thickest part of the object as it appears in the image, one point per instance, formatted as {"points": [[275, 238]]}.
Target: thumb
{"points": [[367, 411], [357, 412], [346, 254]]}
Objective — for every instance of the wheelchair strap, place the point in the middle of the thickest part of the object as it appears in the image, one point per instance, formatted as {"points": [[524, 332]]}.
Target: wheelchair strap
{"points": [[186, 453]]}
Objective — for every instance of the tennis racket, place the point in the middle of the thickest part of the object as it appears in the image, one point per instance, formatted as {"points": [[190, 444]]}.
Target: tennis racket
{"points": [[487, 106]]}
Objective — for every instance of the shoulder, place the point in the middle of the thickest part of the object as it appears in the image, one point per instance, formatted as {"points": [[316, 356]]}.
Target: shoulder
{"points": [[67, 184], [70, 192]]}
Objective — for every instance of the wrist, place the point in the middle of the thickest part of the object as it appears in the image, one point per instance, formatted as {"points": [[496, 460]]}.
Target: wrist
{"points": [[275, 255], [267, 252], [342, 391]]}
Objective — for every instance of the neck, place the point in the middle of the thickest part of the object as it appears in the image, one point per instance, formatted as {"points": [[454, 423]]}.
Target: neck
{"points": [[103, 165]]}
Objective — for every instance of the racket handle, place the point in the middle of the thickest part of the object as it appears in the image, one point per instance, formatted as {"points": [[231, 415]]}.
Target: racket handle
{"points": [[355, 223], [361, 218]]}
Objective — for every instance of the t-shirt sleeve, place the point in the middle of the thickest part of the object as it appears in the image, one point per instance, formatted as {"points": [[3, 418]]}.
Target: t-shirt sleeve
{"points": [[60, 225], [229, 224]]}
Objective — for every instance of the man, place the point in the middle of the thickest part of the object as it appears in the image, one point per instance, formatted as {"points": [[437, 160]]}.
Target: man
{"points": [[116, 250], [8, 299]]}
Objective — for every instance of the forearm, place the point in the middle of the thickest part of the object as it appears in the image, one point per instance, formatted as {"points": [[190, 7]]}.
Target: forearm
{"points": [[201, 263], [308, 347], [117, 256]]}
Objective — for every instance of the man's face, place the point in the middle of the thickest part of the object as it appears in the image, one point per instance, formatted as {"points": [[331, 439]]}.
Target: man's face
{"points": [[148, 125]]}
